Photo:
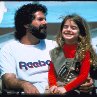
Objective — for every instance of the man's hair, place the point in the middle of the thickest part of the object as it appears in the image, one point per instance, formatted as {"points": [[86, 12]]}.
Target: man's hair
{"points": [[24, 15]]}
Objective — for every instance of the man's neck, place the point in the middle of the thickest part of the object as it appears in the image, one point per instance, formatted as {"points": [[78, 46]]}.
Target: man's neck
{"points": [[29, 40]]}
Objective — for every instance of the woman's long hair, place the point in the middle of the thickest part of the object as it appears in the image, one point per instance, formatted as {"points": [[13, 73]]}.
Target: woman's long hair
{"points": [[84, 40]]}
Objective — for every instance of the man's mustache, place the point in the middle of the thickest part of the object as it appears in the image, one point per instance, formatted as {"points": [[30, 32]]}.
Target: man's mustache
{"points": [[42, 27]]}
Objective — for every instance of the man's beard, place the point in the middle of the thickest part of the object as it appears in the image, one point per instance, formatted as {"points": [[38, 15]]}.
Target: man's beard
{"points": [[39, 32]]}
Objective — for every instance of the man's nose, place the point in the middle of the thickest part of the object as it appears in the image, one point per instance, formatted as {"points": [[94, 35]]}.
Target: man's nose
{"points": [[44, 21]]}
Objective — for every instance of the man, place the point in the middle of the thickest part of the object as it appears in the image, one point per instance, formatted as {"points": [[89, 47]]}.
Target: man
{"points": [[27, 58], [24, 61]]}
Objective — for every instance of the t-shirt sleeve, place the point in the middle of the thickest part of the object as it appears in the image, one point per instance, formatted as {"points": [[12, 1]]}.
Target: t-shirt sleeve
{"points": [[7, 61]]}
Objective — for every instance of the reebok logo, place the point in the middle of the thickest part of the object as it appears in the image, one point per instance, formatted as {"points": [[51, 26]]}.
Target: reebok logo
{"points": [[33, 64]]}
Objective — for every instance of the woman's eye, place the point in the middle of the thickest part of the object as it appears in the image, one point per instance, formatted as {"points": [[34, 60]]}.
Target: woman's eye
{"points": [[74, 27], [65, 26]]}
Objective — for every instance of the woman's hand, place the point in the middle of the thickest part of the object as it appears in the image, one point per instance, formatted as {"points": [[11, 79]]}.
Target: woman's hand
{"points": [[54, 89], [61, 90]]}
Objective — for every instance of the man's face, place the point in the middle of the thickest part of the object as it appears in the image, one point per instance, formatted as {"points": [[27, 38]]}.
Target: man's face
{"points": [[40, 19], [38, 26]]}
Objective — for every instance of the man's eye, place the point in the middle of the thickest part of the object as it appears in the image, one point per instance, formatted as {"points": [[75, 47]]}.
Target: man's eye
{"points": [[40, 19]]}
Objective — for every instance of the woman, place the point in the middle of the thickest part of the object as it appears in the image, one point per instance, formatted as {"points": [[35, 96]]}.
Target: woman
{"points": [[72, 59]]}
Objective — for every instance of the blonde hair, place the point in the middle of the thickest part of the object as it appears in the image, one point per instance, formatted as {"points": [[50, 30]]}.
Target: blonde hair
{"points": [[84, 43]]}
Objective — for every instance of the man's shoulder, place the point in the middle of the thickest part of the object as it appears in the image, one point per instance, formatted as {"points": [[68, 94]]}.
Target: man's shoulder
{"points": [[51, 42], [8, 44]]}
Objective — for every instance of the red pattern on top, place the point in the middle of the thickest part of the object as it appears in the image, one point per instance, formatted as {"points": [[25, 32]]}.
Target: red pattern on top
{"points": [[69, 52]]}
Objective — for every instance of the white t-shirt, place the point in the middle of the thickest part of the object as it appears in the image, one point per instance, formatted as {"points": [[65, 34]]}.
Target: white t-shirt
{"points": [[28, 62]]}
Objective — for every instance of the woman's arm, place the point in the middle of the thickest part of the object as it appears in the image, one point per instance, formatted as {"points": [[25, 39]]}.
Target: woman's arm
{"points": [[51, 75]]}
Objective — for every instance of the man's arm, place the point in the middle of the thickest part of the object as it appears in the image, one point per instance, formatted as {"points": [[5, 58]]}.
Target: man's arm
{"points": [[12, 83], [89, 84]]}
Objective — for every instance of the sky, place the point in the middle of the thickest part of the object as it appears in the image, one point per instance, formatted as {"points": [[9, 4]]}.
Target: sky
{"points": [[56, 9]]}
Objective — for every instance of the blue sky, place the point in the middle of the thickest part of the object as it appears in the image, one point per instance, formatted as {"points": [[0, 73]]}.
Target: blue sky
{"points": [[56, 9]]}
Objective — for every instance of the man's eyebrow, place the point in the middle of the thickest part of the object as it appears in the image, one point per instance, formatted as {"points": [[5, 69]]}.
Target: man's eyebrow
{"points": [[41, 18]]}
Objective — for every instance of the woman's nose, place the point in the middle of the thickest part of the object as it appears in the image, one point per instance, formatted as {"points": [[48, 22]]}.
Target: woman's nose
{"points": [[69, 28]]}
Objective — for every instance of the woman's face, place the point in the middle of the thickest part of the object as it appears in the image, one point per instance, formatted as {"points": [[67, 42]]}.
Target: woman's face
{"points": [[70, 31]]}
